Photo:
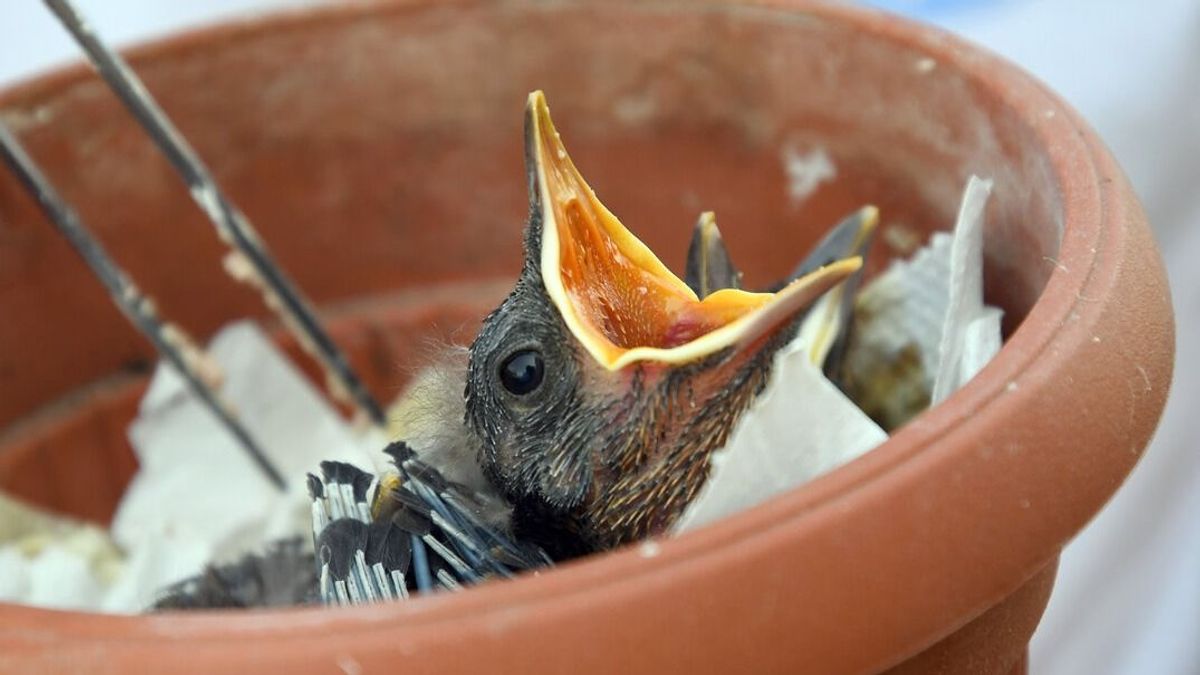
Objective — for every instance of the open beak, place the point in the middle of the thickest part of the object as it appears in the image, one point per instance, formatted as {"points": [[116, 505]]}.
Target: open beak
{"points": [[616, 297], [826, 328]]}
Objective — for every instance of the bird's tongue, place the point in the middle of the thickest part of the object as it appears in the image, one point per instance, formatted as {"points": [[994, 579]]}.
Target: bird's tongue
{"points": [[617, 298]]}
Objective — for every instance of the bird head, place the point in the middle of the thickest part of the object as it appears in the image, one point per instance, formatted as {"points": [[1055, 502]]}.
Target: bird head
{"points": [[602, 384]]}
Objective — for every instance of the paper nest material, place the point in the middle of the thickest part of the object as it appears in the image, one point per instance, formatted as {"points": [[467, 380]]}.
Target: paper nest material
{"points": [[51, 561], [803, 425], [197, 498]]}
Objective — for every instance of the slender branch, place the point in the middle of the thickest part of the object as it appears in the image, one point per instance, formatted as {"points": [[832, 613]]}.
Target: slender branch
{"points": [[232, 226], [121, 288]]}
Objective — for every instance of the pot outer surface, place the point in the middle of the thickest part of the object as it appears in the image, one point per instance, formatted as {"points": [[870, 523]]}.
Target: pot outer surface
{"points": [[377, 149]]}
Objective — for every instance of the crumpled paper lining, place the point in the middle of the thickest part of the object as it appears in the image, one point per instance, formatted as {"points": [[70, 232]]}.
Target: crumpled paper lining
{"points": [[197, 498], [803, 425], [51, 561]]}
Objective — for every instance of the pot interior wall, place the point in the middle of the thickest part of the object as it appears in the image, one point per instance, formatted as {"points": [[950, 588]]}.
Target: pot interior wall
{"points": [[381, 153]]}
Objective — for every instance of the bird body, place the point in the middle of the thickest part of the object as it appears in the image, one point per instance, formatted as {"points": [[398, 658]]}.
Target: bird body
{"points": [[586, 410], [639, 379]]}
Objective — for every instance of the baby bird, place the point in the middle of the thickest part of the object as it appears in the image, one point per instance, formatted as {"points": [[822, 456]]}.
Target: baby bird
{"points": [[600, 387], [585, 412]]}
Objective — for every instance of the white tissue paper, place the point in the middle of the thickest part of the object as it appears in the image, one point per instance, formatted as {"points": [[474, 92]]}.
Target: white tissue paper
{"points": [[800, 427], [197, 498], [51, 561], [970, 334], [803, 425]]}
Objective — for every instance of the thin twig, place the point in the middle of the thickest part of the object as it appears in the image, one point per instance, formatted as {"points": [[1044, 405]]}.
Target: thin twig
{"points": [[231, 224], [136, 306]]}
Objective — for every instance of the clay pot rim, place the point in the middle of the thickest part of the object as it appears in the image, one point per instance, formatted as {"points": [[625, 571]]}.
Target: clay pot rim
{"points": [[1089, 184]]}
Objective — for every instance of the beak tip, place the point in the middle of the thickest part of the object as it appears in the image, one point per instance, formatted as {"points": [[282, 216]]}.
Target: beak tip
{"points": [[870, 216]]}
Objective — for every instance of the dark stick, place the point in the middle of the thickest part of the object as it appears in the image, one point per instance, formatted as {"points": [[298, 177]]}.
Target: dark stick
{"points": [[136, 306], [231, 224]]}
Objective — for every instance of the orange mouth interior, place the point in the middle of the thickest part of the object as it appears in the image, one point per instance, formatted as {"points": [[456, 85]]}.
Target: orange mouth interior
{"points": [[615, 295]]}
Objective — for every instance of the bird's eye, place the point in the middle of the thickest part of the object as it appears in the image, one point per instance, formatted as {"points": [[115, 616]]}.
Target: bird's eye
{"points": [[522, 372]]}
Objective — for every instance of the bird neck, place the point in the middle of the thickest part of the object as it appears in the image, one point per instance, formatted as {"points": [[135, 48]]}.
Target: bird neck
{"points": [[649, 477]]}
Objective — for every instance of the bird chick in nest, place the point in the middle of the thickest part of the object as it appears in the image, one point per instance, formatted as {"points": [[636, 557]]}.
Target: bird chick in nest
{"points": [[585, 412]]}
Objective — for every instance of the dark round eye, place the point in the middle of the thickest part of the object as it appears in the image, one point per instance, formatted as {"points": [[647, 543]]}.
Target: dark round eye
{"points": [[522, 372]]}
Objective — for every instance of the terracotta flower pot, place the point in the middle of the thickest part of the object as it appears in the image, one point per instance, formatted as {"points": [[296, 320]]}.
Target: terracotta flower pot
{"points": [[377, 147]]}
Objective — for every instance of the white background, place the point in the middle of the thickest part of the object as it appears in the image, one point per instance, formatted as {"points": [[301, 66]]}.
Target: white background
{"points": [[1128, 594]]}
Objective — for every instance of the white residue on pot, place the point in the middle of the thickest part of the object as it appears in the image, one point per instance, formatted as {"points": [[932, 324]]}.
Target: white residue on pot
{"points": [[805, 171], [901, 238], [635, 108], [25, 119], [925, 65], [349, 665], [649, 549]]}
